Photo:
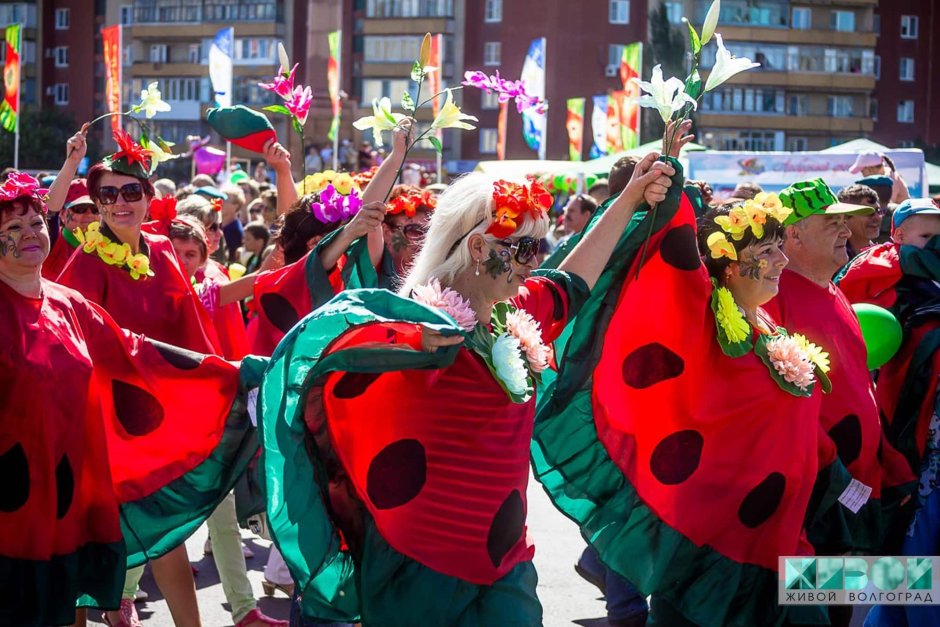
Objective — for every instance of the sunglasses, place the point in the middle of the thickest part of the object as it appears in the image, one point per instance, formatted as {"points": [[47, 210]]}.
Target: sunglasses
{"points": [[412, 232], [214, 227], [523, 250], [83, 209], [132, 192]]}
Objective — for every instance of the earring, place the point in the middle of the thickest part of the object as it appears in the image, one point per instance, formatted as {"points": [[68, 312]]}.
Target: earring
{"points": [[478, 268]]}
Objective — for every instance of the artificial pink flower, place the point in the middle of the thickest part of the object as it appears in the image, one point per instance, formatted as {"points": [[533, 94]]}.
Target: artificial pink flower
{"points": [[522, 326], [506, 89], [334, 207], [448, 301], [19, 184], [283, 85], [791, 362], [299, 103]]}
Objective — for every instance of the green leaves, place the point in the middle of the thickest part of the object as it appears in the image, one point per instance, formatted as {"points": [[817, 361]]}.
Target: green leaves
{"points": [[297, 127], [407, 103], [417, 72], [693, 84], [436, 143], [277, 109], [695, 44]]}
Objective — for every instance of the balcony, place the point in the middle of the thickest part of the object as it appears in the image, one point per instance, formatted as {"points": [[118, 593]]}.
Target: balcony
{"points": [[789, 123], [793, 37], [202, 11]]}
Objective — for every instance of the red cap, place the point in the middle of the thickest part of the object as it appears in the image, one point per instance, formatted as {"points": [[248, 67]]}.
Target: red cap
{"points": [[77, 194]]}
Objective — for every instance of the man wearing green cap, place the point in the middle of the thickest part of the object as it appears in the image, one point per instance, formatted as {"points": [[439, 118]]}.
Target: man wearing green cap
{"points": [[862, 471]]}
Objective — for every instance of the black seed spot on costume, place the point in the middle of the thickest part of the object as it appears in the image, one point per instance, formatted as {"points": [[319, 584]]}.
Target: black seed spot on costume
{"points": [[14, 472], [137, 409], [679, 248], [761, 502], [64, 487], [180, 358], [677, 456], [279, 311], [397, 474], [847, 434], [506, 528], [650, 364], [352, 384]]}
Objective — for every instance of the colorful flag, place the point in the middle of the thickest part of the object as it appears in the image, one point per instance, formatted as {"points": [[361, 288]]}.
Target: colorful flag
{"points": [[10, 107], [501, 130], [332, 80], [533, 75], [220, 66], [434, 78], [112, 46], [599, 127], [575, 124], [615, 104], [630, 67]]}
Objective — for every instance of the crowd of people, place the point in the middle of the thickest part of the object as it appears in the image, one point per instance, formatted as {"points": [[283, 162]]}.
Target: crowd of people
{"points": [[377, 363]]}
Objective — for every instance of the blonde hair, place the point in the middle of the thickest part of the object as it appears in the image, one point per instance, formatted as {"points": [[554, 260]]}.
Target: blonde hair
{"points": [[199, 208], [464, 208]]}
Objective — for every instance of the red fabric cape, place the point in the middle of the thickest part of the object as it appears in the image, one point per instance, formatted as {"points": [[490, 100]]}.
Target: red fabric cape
{"points": [[228, 321]]}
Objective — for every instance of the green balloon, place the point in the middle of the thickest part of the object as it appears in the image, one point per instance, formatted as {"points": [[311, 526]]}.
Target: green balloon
{"points": [[559, 182], [882, 333]]}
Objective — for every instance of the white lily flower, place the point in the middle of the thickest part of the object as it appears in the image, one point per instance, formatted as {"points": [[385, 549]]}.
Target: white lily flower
{"points": [[282, 57], [151, 101], [158, 155], [711, 21], [450, 115], [382, 119], [665, 96], [726, 66]]}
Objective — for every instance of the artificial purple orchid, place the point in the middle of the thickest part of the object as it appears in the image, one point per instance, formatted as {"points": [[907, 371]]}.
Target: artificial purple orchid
{"points": [[283, 84], [334, 207], [506, 89]]}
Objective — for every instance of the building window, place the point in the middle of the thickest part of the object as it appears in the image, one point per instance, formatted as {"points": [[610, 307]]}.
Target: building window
{"points": [[614, 54], [906, 111], [491, 53], [61, 19], [489, 101], [840, 106], [843, 21], [373, 88], [127, 14], [802, 18], [797, 105], [674, 12], [158, 53], [873, 109], [394, 49], [619, 11], [907, 69], [61, 54], [195, 53], [61, 93], [488, 139], [128, 55], [877, 67], [493, 11], [906, 143], [908, 27], [797, 144]]}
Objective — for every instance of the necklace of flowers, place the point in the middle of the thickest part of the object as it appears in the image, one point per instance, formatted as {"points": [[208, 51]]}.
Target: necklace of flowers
{"points": [[752, 214], [794, 362], [92, 240], [511, 347]]}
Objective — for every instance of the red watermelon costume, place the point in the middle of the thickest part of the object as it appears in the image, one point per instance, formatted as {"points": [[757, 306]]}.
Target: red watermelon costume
{"points": [[227, 319], [688, 470], [94, 419], [61, 251]]}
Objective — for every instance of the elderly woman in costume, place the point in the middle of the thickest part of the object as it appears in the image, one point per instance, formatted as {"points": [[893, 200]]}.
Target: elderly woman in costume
{"points": [[682, 429], [136, 276], [92, 420], [411, 415]]}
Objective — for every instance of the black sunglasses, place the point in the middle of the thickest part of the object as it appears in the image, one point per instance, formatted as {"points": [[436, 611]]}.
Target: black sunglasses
{"points": [[523, 250], [83, 209], [132, 192], [412, 232]]}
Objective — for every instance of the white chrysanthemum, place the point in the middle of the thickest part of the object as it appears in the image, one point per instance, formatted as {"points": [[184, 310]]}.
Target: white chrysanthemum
{"points": [[509, 365]]}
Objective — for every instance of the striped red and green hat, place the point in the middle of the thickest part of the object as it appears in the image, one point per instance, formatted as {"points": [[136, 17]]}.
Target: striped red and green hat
{"points": [[242, 126]]}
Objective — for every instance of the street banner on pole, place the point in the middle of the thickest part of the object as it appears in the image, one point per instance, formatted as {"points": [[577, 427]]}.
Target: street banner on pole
{"points": [[631, 65], [501, 130], [332, 81], [112, 46], [599, 127], [575, 124], [10, 107], [220, 66], [615, 104], [534, 122]]}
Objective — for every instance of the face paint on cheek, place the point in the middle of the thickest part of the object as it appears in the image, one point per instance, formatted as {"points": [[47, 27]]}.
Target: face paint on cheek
{"points": [[749, 266], [8, 246], [399, 241], [498, 264]]}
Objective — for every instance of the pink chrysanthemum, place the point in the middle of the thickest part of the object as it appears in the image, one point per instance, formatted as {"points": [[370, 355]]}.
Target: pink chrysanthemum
{"points": [[526, 329], [448, 301], [791, 362]]}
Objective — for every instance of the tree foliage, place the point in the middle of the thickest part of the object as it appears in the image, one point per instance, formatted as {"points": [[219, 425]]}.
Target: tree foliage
{"points": [[668, 46], [42, 140]]}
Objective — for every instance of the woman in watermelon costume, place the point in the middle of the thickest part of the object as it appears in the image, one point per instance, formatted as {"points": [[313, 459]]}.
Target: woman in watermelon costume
{"points": [[681, 432], [411, 417], [102, 456], [136, 276]]}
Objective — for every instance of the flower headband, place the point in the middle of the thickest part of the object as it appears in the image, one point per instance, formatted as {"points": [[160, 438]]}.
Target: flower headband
{"points": [[130, 150], [512, 201], [20, 185], [752, 214], [334, 206], [342, 182], [409, 203], [363, 178]]}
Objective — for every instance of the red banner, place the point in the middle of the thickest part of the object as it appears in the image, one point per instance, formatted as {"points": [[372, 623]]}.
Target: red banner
{"points": [[501, 130], [111, 38]]}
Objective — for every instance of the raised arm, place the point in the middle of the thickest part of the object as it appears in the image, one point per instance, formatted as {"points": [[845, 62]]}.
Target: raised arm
{"points": [[279, 159], [75, 150], [650, 182], [378, 188]]}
